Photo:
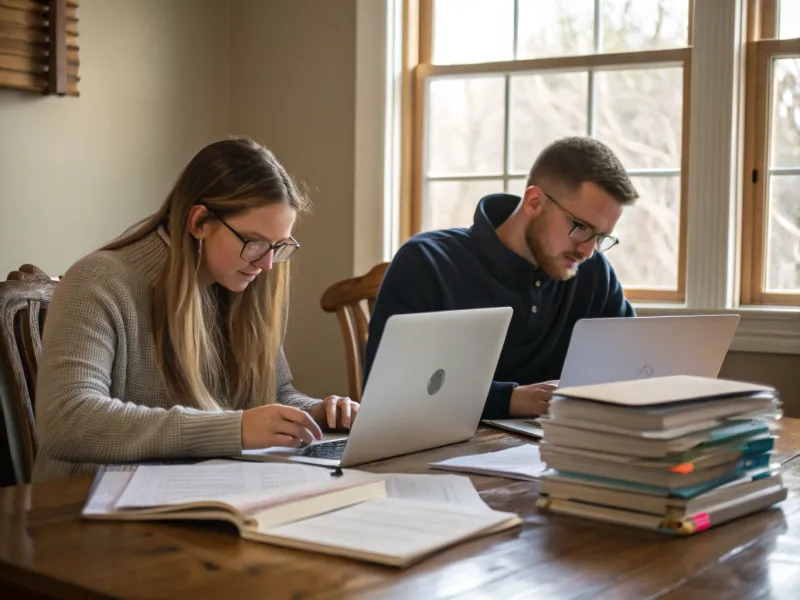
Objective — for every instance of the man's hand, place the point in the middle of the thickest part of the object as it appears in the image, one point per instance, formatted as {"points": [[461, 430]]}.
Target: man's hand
{"points": [[532, 400]]}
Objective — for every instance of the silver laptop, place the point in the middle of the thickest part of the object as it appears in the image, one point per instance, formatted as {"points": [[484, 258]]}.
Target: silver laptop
{"points": [[427, 388], [612, 349]]}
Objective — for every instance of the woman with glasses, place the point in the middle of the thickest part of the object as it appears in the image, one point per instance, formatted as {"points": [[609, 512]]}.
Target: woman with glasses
{"points": [[168, 342]]}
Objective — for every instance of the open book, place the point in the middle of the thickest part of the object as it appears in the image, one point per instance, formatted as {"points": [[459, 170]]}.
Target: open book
{"points": [[394, 520]]}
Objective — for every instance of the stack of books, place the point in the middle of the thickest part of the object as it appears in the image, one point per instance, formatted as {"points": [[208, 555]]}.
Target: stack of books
{"points": [[675, 454]]}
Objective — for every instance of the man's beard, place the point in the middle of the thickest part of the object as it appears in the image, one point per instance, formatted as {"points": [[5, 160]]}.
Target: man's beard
{"points": [[555, 266]]}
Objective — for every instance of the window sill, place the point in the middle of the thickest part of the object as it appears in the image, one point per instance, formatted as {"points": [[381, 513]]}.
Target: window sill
{"points": [[773, 330]]}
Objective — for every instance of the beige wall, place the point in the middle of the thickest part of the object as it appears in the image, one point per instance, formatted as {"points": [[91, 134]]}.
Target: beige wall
{"points": [[779, 370], [75, 172], [293, 88]]}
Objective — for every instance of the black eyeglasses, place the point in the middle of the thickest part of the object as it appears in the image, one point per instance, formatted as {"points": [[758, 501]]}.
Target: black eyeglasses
{"points": [[255, 250], [582, 232]]}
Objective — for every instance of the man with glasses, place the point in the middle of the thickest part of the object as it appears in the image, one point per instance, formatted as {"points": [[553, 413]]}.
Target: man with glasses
{"points": [[542, 254]]}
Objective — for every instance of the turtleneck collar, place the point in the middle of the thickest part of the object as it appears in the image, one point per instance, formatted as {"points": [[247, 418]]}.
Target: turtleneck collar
{"points": [[162, 233]]}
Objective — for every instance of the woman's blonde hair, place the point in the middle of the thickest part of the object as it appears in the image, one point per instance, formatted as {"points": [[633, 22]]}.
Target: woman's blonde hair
{"points": [[212, 344]]}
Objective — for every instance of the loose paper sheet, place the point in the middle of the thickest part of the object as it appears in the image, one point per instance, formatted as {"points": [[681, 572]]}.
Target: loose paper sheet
{"points": [[446, 489], [522, 462]]}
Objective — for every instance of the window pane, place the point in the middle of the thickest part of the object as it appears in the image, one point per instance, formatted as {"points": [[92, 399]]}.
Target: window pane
{"points": [[644, 24], [472, 31], [543, 108], [785, 135], [783, 241], [516, 186], [453, 203], [647, 255], [639, 115], [555, 28], [789, 19], [465, 125]]}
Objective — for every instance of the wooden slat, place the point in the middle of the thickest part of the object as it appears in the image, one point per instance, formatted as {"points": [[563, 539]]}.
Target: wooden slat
{"points": [[35, 83], [17, 48], [23, 18], [27, 34], [33, 51], [22, 81], [39, 5], [22, 34], [27, 5], [30, 18], [23, 64], [26, 64]]}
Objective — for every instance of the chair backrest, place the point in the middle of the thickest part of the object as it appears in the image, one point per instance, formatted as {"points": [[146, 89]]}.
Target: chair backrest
{"points": [[353, 301], [24, 300]]}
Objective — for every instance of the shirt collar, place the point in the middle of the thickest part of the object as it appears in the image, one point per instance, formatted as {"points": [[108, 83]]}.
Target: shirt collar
{"points": [[492, 211]]}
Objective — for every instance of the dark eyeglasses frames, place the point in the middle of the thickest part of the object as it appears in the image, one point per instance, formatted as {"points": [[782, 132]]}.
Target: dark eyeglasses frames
{"points": [[582, 233], [255, 250]]}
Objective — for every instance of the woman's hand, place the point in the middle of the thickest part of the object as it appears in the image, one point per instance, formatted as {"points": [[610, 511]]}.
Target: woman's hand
{"points": [[278, 425], [334, 412]]}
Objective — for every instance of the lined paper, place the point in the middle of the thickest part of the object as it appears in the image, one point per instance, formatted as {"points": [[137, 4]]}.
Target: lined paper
{"points": [[394, 527], [176, 484]]}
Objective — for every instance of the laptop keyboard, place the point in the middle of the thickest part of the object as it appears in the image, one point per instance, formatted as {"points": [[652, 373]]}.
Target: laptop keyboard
{"points": [[327, 450]]}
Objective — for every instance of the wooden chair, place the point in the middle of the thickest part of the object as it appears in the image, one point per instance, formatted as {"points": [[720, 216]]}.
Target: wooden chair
{"points": [[347, 299], [24, 299]]}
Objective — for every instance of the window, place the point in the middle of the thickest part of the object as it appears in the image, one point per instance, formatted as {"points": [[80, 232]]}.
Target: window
{"points": [[494, 81], [771, 221], [724, 136], [39, 46]]}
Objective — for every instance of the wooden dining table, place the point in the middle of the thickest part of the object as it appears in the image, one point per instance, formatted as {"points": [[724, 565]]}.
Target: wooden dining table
{"points": [[48, 551]]}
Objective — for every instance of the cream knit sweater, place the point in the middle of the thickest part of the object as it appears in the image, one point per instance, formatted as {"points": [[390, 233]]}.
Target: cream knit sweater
{"points": [[99, 396]]}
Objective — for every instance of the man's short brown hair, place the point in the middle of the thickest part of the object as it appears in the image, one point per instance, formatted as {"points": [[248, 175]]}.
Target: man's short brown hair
{"points": [[571, 161]]}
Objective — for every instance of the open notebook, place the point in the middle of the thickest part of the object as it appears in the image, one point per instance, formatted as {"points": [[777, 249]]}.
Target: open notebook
{"points": [[355, 514]]}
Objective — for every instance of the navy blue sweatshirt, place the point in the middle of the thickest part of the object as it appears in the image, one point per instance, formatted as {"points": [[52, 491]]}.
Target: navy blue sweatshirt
{"points": [[464, 268]]}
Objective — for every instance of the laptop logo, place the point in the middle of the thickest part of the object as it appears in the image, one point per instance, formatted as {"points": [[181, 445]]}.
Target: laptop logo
{"points": [[436, 382], [645, 372]]}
